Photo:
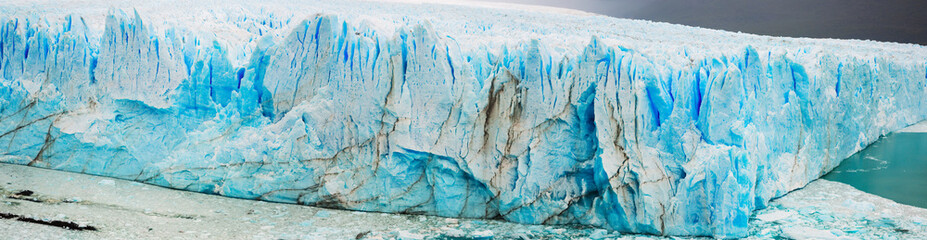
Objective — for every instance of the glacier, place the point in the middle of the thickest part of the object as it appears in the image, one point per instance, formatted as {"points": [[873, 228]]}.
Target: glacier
{"points": [[527, 114]]}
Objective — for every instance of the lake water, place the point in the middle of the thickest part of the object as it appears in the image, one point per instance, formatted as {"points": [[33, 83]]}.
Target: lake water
{"points": [[894, 167]]}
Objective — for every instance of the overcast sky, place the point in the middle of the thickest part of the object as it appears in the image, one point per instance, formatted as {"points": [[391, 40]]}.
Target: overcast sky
{"points": [[883, 20]]}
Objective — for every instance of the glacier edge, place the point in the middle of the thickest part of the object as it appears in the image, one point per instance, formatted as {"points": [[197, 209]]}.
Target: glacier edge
{"points": [[337, 113]]}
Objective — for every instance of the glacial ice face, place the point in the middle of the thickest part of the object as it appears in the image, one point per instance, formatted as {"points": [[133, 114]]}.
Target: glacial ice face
{"points": [[645, 127]]}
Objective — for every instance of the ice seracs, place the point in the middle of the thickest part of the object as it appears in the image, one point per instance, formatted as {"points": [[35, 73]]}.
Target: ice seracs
{"points": [[526, 115]]}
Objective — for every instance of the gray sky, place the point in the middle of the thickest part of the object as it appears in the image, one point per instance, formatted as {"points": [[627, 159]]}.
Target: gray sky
{"points": [[882, 20]]}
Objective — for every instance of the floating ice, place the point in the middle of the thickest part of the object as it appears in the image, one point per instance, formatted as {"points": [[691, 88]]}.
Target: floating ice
{"points": [[533, 116]]}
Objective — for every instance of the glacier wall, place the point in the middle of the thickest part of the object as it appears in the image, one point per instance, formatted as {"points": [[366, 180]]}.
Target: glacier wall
{"points": [[339, 113]]}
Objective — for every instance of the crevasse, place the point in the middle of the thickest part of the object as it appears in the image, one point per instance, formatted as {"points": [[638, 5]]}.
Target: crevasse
{"points": [[339, 113]]}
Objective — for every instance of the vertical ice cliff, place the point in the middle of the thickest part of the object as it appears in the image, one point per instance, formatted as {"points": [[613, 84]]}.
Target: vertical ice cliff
{"points": [[425, 109]]}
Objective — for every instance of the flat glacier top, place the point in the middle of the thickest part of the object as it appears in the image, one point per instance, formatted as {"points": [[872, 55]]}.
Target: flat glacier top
{"points": [[473, 25]]}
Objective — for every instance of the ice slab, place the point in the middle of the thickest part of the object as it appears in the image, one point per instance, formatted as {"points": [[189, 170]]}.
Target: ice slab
{"points": [[920, 127], [832, 210]]}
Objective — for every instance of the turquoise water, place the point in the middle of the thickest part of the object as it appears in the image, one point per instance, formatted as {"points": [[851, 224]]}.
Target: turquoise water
{"points": [[894, 167]]}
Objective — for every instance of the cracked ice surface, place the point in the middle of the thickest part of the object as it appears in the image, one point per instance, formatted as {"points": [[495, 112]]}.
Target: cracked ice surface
{"points": [[530, 115]]}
